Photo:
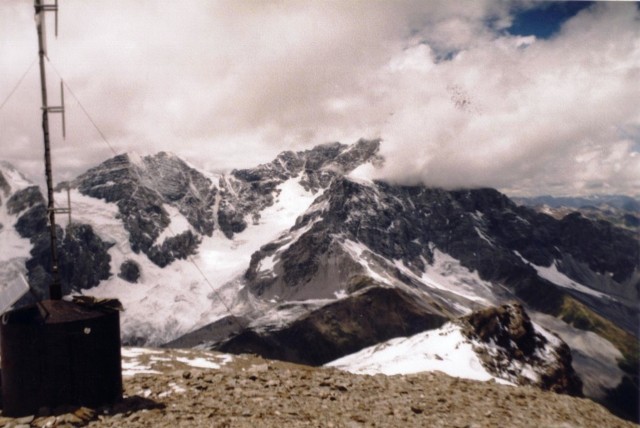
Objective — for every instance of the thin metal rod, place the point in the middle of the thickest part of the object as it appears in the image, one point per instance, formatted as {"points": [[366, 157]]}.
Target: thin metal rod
{"points": [[69, 202], [56, 11], [64, 126], [55, 289]]}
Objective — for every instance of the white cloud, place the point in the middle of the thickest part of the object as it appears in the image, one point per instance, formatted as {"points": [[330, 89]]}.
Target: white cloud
{"points": [[532, 112], [230, 84]]}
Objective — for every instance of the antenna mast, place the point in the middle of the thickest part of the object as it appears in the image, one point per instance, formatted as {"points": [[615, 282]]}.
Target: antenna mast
{"points": [[55, 289], [57, 352]]}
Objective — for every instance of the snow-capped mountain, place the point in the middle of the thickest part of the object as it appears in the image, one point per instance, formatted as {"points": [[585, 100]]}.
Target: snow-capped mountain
{"points": [[303, 259], [172, 237]]}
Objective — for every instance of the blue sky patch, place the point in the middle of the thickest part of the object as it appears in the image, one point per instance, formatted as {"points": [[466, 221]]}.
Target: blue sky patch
{"points": [[546, 18]]}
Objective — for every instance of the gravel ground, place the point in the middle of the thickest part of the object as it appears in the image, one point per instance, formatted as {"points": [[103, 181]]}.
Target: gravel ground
{"points": [[189, 388]]}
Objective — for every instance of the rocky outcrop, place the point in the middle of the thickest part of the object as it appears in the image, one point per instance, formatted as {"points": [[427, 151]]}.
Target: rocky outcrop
{"points": [[29, 205], [231, 220], [83, 261], [183, 187], [512, 348], [129, 271], [176, 247], [32, 222]]}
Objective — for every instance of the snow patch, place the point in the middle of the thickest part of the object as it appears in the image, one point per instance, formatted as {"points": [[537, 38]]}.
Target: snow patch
{"points": [[199, 362], [341, 294], [446, 273], [132, 365], [150, 361], [363, 174], [357, 251], [178, 224], [553, 275], [267, 263], [174, 388], [445, 349]]}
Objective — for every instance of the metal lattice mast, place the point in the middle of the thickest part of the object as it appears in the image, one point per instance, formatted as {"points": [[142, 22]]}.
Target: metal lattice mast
{"points": [[55, 289]]}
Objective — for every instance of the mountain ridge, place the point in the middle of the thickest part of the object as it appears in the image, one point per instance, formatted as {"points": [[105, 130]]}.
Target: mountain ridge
{"points": [[281, 251]]}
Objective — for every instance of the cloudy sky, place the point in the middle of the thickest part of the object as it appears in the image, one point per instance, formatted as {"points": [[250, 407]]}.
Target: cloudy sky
{"points": [[528, 97]]}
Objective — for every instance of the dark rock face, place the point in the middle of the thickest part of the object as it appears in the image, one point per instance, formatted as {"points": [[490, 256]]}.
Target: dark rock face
{"points": [[231, 221], [340, 328], [141, 189], [83, 261], [184, 187], [631, 221], [176, 247], [317, 166], [513, 339], [508, 326], [624, 400], [30, 204], [130, 271], [604, 248], [24, 199], [33, 222]]}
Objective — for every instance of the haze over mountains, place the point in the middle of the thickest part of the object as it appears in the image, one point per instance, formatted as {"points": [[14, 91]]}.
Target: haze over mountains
{"points": [[306, 259]]}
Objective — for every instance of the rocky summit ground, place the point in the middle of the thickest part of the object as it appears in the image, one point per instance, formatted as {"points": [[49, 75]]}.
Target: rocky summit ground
{"points": [[191, 388]]}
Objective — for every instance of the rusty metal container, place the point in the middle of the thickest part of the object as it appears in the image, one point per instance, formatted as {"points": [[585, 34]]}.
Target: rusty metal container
{"points": [[59, 353]]}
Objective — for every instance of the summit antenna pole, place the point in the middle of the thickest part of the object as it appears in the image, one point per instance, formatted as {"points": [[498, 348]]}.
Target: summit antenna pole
{"points": [[55, 289], [57, 353]]}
